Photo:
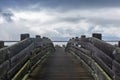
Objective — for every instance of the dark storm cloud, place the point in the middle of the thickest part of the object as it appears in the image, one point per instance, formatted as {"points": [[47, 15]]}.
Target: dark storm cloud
{"points": [[104, 22], [80, 3], [7, 15], [67, 17], [70, 19], [60, 3]]}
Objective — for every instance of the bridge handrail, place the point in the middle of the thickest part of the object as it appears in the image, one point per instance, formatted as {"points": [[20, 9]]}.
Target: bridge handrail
{"points": [[18, 60], [35, 57], [13, 58], [97, 48], [12, 64], [33, 61], [91, 64], [8, 52], [103, 45]]}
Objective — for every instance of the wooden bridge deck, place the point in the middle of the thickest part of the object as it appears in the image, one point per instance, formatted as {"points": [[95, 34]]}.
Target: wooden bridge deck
{"points": [[61, 66]]}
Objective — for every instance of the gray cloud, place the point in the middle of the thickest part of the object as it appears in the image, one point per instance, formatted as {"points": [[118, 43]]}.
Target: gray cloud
{"points": [[12, 31], [104, 22], [70, 19], [7, 15], [61, 18], [64, 4]]}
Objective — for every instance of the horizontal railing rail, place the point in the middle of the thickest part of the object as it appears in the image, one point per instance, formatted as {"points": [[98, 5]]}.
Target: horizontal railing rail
{"points": [[95, 69], [96, 52], [16, 60]]}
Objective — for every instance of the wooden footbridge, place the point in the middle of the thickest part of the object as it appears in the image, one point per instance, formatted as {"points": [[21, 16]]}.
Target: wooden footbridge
{"points": [[81, 59]]}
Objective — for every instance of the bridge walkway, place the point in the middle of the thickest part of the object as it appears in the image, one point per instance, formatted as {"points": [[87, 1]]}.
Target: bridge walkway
{"points": [[61, 66]]}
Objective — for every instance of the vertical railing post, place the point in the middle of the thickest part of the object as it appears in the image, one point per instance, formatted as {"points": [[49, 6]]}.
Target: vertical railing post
{"points": [[24, 36], [1, 44], [38, 36], [97, 35], [118, 43], [83, 37]]}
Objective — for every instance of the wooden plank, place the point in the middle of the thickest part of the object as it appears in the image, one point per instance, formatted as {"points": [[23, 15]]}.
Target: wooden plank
{"points": [[22, 71], [4, 67]]}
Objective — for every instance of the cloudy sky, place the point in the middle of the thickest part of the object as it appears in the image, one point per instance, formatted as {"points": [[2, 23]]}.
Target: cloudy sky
{"points": [[59, 19]]}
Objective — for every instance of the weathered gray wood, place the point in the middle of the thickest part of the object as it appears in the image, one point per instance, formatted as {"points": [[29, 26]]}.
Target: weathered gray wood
{"points": [[3, 55], [83, 50], [1, 44], [102, 45], [8, 52], [15, 59], [116, 54], [24, 36], [97, 35], [22, 72], [15, 49], [116, 69], [83, 36], [36, 57], [17, 67], [18, 60], [38, 36], [99, 72], [96, 69], [12, 58], [101, 58], [83, 56], [4, 68]]}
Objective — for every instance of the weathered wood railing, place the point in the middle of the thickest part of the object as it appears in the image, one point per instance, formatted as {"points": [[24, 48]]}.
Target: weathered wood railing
{"points": [[19, 59], [101, 58]]}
